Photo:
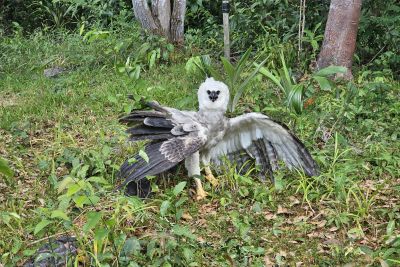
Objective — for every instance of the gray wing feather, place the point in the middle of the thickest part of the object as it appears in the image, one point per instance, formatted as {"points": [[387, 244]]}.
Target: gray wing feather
{"points": [[265, 140], [175, 136], [162, 156]]}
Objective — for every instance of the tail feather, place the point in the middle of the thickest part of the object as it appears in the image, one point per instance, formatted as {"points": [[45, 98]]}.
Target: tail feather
{"points": [[146, 130], [139, 169], [151, 137], [265, 163]]}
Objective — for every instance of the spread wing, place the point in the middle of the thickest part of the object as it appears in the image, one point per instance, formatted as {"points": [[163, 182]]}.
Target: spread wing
{"points": [[175, 135], [255, 136]]}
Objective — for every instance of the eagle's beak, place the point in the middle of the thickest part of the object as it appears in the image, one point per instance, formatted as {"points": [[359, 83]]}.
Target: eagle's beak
{"points": [[213, 96]]}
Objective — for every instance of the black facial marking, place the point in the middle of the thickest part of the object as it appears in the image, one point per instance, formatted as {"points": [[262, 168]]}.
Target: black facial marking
{"points": [[213, 95]]}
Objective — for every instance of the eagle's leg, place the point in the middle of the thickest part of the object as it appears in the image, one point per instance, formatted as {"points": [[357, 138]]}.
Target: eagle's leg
{"points": [[200, 193], [192, 164], [210, 177]]}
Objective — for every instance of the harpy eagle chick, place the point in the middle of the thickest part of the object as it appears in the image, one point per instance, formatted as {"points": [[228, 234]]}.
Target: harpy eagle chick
{"points": [[207, 136]]}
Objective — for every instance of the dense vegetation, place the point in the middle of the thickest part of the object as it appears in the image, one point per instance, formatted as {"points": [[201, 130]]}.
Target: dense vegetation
{"points": [[62, 140]]}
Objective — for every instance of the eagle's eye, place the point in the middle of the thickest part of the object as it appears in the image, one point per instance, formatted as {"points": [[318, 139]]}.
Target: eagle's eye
{"points": [[218, 92], [208, 92]]}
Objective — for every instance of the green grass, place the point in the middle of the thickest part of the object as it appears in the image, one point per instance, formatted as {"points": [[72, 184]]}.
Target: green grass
{"points": [[52, 129]]}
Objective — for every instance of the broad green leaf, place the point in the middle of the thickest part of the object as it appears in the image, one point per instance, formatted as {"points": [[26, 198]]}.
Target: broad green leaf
{"points": [[85, 200], [183, 231], [309, 33], [366, 250], [143, 155], [151, 249], [181, 201], [41, 225], [198, 65], [143, 49], [101, 233], [73, 189], [80, 200], [121, 69], [5, 169], [82, 172], [286, 71], [59, 214], [228, 67], [131, 247], [170, 47], [206, 60], [64, 183], [243, 59], [29, 252], [245, 180], [188, 254], [178, 188], [314, 45], [119, 239], [93, 218], [164, 207], [330, 71], [152, 60], [295, 98], [194, 66], [323, 83], [390, 227], [240, 65], [272, 77], [136, 73], [127, 108], [92, 200], [389, 252]]}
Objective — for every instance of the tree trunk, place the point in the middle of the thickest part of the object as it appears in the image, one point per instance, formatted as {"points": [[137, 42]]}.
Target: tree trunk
{"points": [[177, 21], [145, 17], [160, 19], [161, 10], [340, 35]]}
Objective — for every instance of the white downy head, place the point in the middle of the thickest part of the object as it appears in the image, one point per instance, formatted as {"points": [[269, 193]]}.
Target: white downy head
{"points": [[213, 95]]}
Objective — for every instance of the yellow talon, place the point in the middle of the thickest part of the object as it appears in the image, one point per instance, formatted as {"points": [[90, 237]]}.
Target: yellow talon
{"points": [[200, 193], [210, 177]]}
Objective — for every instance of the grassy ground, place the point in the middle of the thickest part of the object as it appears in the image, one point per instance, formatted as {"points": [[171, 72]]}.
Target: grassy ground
{"points": [[62, 138]]}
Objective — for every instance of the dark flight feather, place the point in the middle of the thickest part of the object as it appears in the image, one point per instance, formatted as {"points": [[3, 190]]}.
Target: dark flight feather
{"points": [[158, 122], [146, 130]]}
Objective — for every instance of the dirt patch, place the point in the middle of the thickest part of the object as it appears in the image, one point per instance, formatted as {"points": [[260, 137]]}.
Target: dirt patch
{"points": [[9, 100]]}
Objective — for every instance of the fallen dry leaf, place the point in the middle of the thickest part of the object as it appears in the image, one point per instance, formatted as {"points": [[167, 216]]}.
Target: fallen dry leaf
{"points": [[268, 262], [319, 224], [282, 210], [270, 216], [293, 201], [186, 216]]}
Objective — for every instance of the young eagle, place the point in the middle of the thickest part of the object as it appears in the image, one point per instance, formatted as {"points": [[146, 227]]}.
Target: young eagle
{"points": [[207, 136]]}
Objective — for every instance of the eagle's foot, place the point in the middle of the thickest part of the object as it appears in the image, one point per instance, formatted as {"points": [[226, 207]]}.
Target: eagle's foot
{"points": [[214, 182], [210, 177], [200, 193]]}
